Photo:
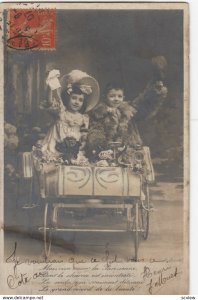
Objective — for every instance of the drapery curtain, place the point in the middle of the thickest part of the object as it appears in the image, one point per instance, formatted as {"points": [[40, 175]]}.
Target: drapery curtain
{"points": [[24, 89]]}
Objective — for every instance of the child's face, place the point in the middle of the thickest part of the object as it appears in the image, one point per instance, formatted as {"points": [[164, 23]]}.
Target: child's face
{"points": [[115, 97], [75, 102]]}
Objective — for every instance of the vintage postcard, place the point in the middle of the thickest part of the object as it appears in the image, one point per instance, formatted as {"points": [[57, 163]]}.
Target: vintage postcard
{"points": [[94, 152]]}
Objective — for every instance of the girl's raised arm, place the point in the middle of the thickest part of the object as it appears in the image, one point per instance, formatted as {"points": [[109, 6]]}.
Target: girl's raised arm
{"points": [[54, 105]]}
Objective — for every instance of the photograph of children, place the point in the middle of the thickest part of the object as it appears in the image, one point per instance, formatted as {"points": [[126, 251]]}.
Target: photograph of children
{"points": [[94, 140]]}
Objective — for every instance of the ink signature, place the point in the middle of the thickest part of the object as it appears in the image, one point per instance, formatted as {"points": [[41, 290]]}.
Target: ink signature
{"points": [[17, 278], [161, 280], [146, 273]]}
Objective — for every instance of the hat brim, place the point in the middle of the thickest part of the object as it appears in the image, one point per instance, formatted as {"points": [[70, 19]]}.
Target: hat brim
{"points": [[93, 98]]}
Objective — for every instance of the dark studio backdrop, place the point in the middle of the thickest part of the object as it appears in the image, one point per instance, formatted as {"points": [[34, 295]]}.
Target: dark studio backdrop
{"points": [[111, 45]]}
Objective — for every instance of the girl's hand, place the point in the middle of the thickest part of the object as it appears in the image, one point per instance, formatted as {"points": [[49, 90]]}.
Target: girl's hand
{"points": [[52, 80]]}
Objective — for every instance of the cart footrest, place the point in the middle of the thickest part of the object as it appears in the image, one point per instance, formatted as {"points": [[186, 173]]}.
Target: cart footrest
{"points": [[83, 229], [89, 230]]}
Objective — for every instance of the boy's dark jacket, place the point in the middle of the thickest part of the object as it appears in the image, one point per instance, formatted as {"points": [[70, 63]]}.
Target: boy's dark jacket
{"points": [[109, 124]]}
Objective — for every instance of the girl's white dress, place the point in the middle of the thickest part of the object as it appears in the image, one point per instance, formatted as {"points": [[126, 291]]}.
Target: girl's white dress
{"points": [[68, 124]]}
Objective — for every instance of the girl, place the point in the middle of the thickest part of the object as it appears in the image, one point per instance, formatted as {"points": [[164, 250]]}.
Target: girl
{"points": [[77, 94]]}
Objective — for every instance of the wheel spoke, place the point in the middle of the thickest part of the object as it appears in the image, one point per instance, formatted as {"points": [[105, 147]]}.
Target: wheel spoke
{"points": [[136, 230], [47, 232], [145, 212]]}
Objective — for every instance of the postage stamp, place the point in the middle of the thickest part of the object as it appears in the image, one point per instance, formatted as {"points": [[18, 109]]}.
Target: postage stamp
{"points": [[31, 29]]}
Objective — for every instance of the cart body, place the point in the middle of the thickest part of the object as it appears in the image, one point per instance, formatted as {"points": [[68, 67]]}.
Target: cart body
{"points": [[77, 187]]}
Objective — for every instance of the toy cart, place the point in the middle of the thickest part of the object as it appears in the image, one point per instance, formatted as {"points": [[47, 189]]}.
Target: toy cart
{"points": [[76, 187]]}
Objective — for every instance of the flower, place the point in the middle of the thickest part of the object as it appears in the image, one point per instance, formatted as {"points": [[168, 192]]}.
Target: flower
{"points": [[108, 154], [85, 89], [10, 170], [11, 139], [9, 128], [12, 142]]}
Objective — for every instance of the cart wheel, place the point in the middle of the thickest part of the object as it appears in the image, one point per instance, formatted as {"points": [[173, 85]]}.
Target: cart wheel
{"points": [[47, 232], [136, 237], [145, 213]]}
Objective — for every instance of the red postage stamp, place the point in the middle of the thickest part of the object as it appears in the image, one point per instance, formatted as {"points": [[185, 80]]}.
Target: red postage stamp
{"points": [[31, 29]]}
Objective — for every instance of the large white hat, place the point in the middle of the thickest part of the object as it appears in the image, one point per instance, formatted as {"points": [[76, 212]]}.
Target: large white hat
{"points": [[86, 83]]}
